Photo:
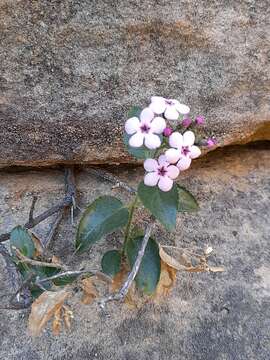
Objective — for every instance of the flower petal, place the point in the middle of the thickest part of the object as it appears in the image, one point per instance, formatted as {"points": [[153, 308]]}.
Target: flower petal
{"points": [[173, 155], [132, 125], [157, 104], [195, 152], [184, 163], [136, 140], [165, 183], [158, 125], [188, 138], [146, 115], [152, 141], [151, 179], [182, 109], [172, 171], [150, 164], [162, 160], [176, 140], [171, 113]]}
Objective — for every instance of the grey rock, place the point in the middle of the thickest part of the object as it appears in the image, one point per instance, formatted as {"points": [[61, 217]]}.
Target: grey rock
{"points": [[221, 316], [71, 69]]}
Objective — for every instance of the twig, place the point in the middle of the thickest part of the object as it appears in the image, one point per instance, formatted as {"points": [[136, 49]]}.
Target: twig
{"points": [[68, 200], [14, 274], [111, 178], [53, 229], [32, 208], [26, 260], [125, 288], [74, 273]]}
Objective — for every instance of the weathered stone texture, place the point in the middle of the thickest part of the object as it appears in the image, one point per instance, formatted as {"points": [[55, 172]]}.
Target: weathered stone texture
{"points": [[221, 316], [71, 69]]}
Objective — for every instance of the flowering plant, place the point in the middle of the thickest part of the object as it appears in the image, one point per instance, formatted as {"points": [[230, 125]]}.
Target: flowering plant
{"points": [[166, 139]]}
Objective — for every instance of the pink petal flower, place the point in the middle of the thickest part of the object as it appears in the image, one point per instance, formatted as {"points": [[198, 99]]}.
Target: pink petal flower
{"points": [[157, 104], [132, 125], [171, 113], [199, 120], [136, 140], [188, 138], [195, 152], [186, 122], [162, 160], [184, 163], [167, 131], [151, 179], [152, 141], [158, 125], [150, 164], [172, 171], [146, 115], [173, 155], [176, 140], [165, 183]]}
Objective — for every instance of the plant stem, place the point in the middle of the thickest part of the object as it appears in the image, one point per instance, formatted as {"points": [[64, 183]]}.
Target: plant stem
{"points": [[131, 213]]}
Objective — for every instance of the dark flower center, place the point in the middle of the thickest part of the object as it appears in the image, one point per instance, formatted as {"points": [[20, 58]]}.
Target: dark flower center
{"points": [[145, 128], [185, 150], [162, 171], [169, 102]]}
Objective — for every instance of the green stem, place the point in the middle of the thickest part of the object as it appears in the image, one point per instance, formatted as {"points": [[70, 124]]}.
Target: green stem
{"points": [[131, 213]]}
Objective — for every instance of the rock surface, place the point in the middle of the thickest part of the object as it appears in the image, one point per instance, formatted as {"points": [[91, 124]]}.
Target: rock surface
{"points": [[70, 70], [208, 316]]}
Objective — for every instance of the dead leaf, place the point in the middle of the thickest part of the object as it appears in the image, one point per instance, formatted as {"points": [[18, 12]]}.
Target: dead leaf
{"points": [[216, 269], [56, 325], [166, 281], [44, 307], [89, 291], [169, 260], [68, 315], [37, 242]]}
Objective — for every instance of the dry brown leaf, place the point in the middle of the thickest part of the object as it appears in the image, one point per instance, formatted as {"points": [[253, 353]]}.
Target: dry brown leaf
{"points": [[168, 259], [56, 325], [89, 291], [68, 315], [44, 307], [216, 269], [166, 281], [37, 242]]}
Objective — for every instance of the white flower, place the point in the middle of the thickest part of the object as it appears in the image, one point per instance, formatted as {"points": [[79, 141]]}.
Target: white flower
{"points": [[160, 173], [170, 107], [183, 149], [144, 130]]}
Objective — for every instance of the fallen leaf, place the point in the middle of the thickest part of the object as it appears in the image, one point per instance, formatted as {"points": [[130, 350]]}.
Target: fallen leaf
{"points": [[37, 242], [166, 281], [56, 325], [216, 269], [168, 259], [68, 315], [44, 307], [89, 291]]}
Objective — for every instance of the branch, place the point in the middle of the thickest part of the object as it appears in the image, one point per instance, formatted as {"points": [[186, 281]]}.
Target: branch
{"points": [[125, 288], [53, 229], [26, 260], [32, 209], [68, 200], [111, 178]]}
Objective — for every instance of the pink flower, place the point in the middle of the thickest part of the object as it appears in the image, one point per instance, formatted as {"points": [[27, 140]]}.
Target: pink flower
{"points": [[211, 142], [170, 107], [186, 122], [160, 173], [183, 149], [144, 130]]}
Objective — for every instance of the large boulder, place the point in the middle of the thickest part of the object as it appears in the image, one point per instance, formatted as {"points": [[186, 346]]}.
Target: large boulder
{"points": [[71, 69]]}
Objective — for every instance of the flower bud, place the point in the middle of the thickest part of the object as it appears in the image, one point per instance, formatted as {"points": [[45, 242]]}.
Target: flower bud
{"points": [[186, 122], [167, 131], [211, 142], [199, 120]]}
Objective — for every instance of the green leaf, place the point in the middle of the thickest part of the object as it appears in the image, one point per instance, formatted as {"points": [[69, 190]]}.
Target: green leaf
{"points": [[65, 280], [187, 201], [111, 262], [149, 271], [21, 239], [139, 153], [134, 111], [103, 216], [162, 205]]}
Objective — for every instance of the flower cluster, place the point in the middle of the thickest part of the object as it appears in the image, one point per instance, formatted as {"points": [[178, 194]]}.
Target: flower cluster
{"points": [[150, 131]]}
